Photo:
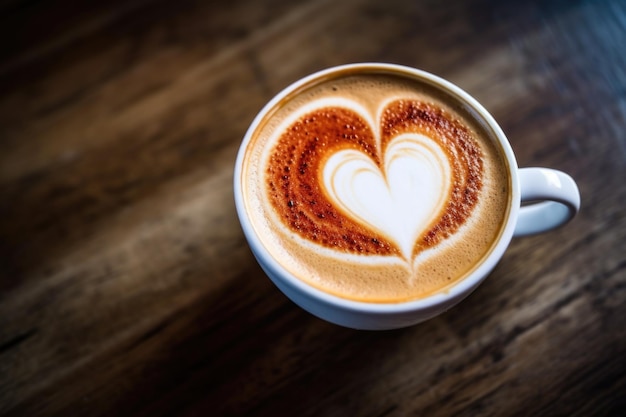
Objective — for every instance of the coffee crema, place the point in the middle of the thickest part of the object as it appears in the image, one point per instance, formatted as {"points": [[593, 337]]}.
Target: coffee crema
{"points": [[375, 187]]}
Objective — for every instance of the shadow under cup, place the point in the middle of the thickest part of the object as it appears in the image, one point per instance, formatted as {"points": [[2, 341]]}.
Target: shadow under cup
{"points": [[274, 250]]}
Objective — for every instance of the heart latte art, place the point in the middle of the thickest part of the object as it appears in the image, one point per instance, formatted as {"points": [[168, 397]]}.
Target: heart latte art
{"points": [[374, 186], [398, 201], [393, 186]]}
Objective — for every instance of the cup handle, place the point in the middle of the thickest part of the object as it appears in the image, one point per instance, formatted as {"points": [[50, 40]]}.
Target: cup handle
{"points": [[552, 199]]}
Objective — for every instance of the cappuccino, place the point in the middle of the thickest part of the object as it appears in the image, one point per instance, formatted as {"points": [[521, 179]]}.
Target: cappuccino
{"points": [[375, 186]]}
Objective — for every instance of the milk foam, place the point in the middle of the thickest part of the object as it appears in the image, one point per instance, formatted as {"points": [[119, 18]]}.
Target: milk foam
{"points": [[400, 201]]}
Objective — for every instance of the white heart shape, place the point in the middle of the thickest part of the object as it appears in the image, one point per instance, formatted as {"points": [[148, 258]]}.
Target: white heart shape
{"points": [[399, 203]]}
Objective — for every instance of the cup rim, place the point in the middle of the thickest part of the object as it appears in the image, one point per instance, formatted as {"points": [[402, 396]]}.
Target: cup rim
{"points": [[458, 289]]}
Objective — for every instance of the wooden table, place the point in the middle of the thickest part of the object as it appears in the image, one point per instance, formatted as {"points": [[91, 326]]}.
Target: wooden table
{"points": [[127, 288]]}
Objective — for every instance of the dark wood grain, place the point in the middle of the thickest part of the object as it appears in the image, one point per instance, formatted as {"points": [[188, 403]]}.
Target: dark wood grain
{"points": [[127, 288]]}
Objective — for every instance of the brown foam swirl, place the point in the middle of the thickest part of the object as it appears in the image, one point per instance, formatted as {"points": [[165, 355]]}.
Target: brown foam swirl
{"points": [[294, 173]]}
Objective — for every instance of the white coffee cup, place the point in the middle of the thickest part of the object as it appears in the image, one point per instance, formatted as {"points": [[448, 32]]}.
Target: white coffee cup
{"points": [[552, 196]]}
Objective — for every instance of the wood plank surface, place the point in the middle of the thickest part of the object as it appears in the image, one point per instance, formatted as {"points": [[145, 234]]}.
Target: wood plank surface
{"points": [[127, 287]]}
